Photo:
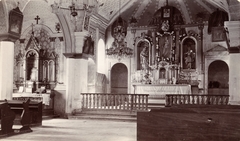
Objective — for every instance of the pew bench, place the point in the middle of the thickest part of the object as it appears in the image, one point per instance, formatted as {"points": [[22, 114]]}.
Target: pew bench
{"points": [[14, 112]]}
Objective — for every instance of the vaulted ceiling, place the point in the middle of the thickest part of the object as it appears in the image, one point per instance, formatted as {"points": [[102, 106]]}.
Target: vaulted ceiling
{"points": [[142, 10]]}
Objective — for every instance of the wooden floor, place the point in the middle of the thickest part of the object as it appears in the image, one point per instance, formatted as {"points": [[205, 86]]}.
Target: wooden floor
{"points": [[208, 123]]}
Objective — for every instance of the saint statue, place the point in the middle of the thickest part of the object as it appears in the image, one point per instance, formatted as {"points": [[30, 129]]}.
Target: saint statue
{"points": [[189, 58], [144, 55]]}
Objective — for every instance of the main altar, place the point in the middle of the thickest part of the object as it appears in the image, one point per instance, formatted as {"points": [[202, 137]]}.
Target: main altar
{"points": [[167, 56]]}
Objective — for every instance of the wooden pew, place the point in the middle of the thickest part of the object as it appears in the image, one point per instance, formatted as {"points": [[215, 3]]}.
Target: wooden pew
{"points": [[27, 113]]}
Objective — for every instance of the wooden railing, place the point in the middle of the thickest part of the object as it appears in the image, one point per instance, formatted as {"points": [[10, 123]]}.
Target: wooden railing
{"points": [[173, 99], [133, 102]]}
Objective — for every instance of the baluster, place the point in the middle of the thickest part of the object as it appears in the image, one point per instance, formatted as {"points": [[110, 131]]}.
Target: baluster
{"points": [[202, 99], [97, 98], [94, 100], [198, 101], [188, 99], [128, 99], [107, 101], [217, 100], [184, 99], [123, 100], [193, 99], [132, 101], [142, 104], [174, 99], [146, 102], [166, 100], [90, 100], [135, 102], [83, 101], [139, 101], [87, 101], [227, 99]]}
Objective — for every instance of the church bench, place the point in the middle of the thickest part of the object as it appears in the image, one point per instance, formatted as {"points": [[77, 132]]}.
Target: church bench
{"points": [[190, 123], [26, 113], [10, 111]]}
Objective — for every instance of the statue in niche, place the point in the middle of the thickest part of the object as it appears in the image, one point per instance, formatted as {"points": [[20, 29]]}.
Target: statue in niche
{"points": [[189, 58], [33, 74], [144, 58], [162, 73]]}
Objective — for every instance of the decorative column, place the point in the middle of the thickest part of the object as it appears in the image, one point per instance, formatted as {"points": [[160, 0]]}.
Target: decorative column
{"points": [[6, 69], [178, 50], [154, 47], [200, 27]]}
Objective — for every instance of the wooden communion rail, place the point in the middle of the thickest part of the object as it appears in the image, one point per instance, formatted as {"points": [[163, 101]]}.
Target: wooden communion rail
{"points": [[130, 102], [173, 99]]}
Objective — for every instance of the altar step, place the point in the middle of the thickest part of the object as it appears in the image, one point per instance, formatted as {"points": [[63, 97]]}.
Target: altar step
{"points": [[104, 117], [156, 103], [105, 114]]}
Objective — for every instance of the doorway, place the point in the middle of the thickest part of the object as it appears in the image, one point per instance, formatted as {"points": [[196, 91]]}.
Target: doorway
{"points": [[218, 78], [119, 78]]}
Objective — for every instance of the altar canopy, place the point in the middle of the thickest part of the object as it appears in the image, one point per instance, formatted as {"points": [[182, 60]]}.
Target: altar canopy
{"points": [[162, 90]]}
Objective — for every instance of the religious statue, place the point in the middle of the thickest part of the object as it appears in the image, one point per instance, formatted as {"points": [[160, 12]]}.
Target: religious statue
{"points": [[144, 55], [33, 74], [189, 58]]}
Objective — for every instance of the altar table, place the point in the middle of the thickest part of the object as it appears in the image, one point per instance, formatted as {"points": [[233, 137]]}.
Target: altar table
{"points": [[161, 90]]}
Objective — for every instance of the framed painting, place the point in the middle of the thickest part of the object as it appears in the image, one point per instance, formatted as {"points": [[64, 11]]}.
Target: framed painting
{"points": [[218, 34], [166, 12], [15, 21]]}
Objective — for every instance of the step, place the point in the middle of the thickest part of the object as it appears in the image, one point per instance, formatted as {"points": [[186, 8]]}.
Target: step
{"points": [[103, 117]]}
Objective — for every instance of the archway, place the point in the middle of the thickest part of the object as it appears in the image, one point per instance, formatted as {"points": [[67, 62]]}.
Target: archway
{"points": [[218, 78], [119, 78]]}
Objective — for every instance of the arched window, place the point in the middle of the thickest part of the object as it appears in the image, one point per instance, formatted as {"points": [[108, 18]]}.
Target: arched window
{"points": [[101, 56]]}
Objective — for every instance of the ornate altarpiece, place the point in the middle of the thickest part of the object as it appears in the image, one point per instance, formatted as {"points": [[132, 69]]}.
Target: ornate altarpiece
{"points": [[36, 61]]}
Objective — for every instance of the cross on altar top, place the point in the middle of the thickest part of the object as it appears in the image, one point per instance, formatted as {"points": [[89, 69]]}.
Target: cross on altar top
{"points": [[37, 18]]}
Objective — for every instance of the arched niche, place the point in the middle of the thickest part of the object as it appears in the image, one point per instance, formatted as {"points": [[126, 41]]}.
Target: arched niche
{"points": [[218, 78], [119, 78], [142, 54], [188, 54], [32, 66]]}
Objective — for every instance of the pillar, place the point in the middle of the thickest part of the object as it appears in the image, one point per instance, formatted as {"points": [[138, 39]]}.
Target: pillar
{"points": [[6, 69], [234, 56], [76, 75]]}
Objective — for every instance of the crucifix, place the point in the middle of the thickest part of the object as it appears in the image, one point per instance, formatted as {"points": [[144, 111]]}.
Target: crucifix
{"points": [[37, 18]]}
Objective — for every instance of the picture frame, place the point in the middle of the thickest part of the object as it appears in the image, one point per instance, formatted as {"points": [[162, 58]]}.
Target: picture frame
{"points": [[166, 12], [15, 21], [218, 34]]}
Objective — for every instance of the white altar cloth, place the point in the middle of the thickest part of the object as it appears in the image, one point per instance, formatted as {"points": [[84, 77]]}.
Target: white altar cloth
{"points": [[45, 98], [161, 90]]}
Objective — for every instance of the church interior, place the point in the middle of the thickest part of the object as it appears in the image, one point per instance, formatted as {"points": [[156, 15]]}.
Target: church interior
{"points": [[72, 54]]}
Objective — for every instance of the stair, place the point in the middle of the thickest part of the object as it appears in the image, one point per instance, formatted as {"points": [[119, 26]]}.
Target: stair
{"points": [[156, 103], [104, 117]]}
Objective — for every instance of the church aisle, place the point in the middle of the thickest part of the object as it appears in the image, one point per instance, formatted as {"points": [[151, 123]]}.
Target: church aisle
{"points": [[79, 130]]}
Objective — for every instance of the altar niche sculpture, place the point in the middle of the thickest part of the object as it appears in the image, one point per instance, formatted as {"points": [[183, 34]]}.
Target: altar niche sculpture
{"points": [[144, 59], [189, 54]]}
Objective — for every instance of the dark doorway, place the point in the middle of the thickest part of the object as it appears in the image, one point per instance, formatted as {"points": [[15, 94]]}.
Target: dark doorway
{"points": [[119, 78], [218, 78]]}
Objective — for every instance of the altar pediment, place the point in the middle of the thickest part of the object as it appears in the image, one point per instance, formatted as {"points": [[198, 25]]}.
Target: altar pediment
{"points": [[217, 51]]}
